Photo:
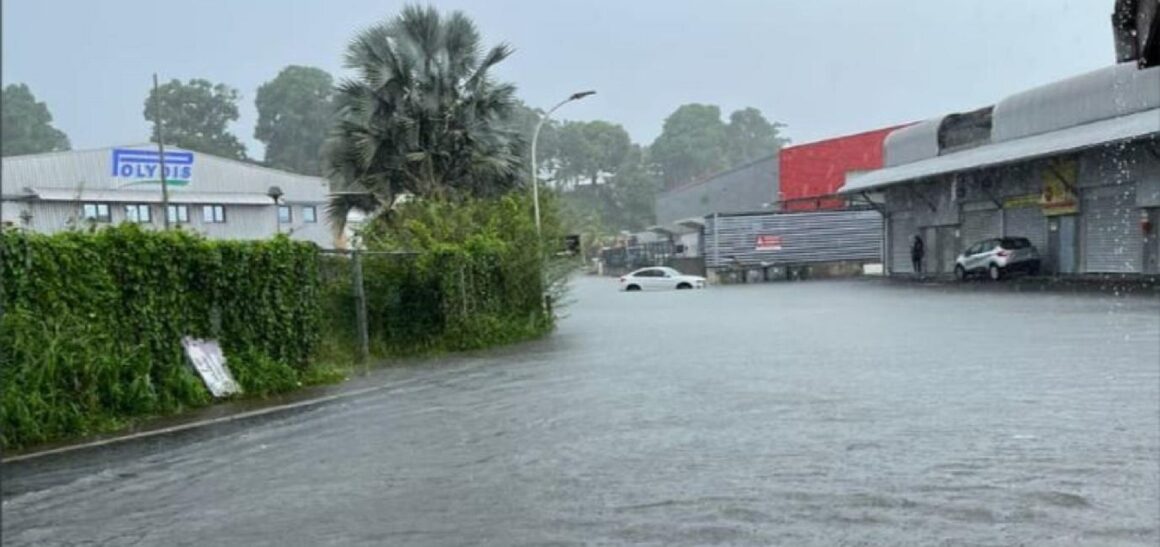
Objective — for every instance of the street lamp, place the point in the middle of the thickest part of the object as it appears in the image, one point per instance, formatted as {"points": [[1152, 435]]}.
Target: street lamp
{"points": [[535, 136]]}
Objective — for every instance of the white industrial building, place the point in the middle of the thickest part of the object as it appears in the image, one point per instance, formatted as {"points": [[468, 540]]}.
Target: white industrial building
{"points": [[217, 197], [1074, 166]]}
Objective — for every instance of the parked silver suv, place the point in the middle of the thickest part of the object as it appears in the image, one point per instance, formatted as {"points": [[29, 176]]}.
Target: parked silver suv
{"points": [[996, 257]]}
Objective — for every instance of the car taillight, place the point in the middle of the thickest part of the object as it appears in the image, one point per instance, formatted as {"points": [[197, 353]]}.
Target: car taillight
{"points": [[1004, 253], [622, 280]]}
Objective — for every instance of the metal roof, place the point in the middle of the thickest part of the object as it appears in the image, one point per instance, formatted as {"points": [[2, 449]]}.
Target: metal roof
{"points": [[1108, 131], [1102, 94], [911, 143]]}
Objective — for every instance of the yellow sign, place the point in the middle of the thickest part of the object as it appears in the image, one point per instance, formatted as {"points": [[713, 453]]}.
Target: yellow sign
{"points": [[1059, 179], [1030, 200]]}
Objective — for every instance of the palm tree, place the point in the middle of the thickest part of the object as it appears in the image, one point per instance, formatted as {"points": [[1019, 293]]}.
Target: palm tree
{"points": [[422, 117]]}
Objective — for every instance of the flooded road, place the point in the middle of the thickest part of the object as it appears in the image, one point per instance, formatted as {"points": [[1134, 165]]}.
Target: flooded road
{"points": [[821, 413]]}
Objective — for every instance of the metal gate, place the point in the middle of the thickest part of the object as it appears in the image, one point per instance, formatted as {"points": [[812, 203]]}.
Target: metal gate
{"points": [[1112, 242], [901, 232], [1027, 222], [979, 225], [947, 249]]}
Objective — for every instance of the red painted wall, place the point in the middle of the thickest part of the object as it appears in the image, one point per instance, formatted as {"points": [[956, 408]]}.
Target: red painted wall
{"points": [[819, 168]]}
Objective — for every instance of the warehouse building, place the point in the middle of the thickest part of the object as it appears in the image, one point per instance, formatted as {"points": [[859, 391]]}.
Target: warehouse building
{"points": [[748, 187], [811, 173], [1074, 166], [220, 198]]}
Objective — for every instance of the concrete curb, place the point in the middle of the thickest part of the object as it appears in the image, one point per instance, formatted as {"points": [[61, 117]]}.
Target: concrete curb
{"points": [[241, 416]]}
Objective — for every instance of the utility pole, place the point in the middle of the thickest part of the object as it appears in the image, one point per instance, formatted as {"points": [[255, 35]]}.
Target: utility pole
{"points": [[160, 150]]}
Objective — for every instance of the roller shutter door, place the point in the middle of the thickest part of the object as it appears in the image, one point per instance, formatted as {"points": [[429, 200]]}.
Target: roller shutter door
{"points": [[1112, 241], [1030, 223], [901, 230], [979, 225]]}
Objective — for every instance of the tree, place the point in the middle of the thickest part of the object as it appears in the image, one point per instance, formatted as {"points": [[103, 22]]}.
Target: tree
{"points": [[692, 144], [589, 150], [424, 116], [749, 136], [634, 190], [27, 124], [294, 114], [622, 201], [194, 116]]}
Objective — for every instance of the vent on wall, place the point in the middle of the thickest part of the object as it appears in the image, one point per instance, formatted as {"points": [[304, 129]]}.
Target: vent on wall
{"points": [[964, 130]]}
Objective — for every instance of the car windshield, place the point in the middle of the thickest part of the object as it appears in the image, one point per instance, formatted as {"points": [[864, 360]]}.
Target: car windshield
{"points": [[580, 272]]}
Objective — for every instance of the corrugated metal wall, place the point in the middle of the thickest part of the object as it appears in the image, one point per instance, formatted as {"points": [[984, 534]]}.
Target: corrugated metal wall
{"points": [[1027, 222], [1112, 242], [979, 224], [901, 232], [806, 237]]}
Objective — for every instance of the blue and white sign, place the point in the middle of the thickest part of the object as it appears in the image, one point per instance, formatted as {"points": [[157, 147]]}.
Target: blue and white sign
{"points": [[142, 167]]}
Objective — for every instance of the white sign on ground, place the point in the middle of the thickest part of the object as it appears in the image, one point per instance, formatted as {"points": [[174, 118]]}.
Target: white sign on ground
{"points": [[207, 358]]}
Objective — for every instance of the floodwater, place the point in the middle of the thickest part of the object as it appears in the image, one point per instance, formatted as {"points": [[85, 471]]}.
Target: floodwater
{"points": [[817, 413]]}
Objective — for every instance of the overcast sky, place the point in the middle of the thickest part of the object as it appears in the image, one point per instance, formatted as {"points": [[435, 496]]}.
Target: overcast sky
{"points": [[823, 67]]}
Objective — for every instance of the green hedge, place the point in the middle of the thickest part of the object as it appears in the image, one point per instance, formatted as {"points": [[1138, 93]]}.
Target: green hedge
{"points": [[93, 322]]}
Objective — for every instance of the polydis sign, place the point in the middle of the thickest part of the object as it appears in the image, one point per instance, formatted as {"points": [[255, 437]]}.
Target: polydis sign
{"points": [[143, 167], [768, 243]]}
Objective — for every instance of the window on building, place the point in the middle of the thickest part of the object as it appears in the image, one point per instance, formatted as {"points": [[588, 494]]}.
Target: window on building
{"points": [[309, 214], [177, 214], [137, 212], [213, 214], [284, 216], [97, 212]]}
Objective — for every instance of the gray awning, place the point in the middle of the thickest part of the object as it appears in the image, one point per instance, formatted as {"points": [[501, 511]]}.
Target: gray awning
{"points": [[1113, 130], [142, 196]]}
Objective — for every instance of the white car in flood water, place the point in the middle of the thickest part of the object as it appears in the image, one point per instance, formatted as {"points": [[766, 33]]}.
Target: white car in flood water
{"points": [[660, 278]]}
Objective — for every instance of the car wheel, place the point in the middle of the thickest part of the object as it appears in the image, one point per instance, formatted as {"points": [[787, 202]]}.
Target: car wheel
{"points": [[960, 273], [995, 273], [683, 286], [632, 288], [1033, 270]]}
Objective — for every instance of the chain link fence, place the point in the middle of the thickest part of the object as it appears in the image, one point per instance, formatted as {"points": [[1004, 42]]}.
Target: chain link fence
{"points": [[390, 303]]}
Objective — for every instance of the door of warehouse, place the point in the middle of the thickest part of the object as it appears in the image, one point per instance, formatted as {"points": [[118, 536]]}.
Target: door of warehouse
{"points": [[978, 225], [901, 232], [1112, 243], [1027, 222], [1061, 244], [1152, 243], [948, 249]]}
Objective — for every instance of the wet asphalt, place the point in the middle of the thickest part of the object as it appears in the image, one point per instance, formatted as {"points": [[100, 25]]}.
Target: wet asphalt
{"points": [[815, 413]]}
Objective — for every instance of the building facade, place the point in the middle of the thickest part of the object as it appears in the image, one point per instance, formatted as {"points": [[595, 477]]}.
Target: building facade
{"points": [[217, 197], [750, 187], [809, 171], [1073, 166]]}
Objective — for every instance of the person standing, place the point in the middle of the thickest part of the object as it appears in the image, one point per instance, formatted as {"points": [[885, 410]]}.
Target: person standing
{"points": [[917, 250]]}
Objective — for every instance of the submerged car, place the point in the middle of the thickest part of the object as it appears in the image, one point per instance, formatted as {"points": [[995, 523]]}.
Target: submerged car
{"points": [[997, 257], [660, 278]]}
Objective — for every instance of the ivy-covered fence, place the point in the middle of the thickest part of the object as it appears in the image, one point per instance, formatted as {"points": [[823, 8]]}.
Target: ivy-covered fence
{"points": [[92, 324], [454, 298]]}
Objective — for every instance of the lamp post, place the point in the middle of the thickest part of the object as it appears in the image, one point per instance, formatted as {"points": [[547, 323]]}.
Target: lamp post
{"points": [[535, 136], [275, 194]]}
